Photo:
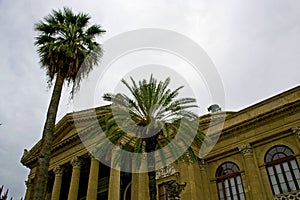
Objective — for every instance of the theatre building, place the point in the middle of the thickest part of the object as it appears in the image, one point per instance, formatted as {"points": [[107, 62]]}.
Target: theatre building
{"points": [[256, 157]]}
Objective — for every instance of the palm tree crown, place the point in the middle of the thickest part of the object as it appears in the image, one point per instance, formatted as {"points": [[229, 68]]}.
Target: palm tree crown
{"points": [[66, 45], [153, 106], [148, 122]]}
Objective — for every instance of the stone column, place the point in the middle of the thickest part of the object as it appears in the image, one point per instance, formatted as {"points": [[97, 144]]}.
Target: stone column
{"points": [[251, 172], [48, 195], [114, 178], [93, 179], [204, 179], [139, 186], [296, 132], [190, 174], [28, 184], [139, 181], [74, 185], [58, 171]]}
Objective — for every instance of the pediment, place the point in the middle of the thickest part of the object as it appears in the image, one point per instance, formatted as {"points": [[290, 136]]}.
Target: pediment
{"points": [[65, 131]]}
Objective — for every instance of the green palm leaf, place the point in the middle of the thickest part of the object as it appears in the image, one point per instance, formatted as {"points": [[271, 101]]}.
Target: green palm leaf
{"points": [[149, 123]]}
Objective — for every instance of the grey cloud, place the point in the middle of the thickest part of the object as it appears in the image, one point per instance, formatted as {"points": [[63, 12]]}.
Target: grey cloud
{"points": [[254, 45]]}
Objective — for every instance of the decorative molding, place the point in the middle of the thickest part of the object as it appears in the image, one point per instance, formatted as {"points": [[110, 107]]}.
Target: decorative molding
{"points": [[165, 172], [187, 158], [288, 196], [290, 107], [31, 156], [76, 162], [296, 131], [246, 149], [58, 171], [25, 153], [91, 153], [202, 164], [174, 189]]}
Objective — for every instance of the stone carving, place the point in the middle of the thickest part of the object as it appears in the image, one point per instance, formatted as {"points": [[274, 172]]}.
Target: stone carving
{"points": [[76, 162], [246, 149], [296, 131], [202, 164], [174, 189], [92, 153], [187, 158], [165, 172], [25, 152], [28, 183], [58, 171], [214, 108], [288, 196]]}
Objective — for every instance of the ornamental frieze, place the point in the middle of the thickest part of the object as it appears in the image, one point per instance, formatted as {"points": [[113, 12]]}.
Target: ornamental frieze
{"points": [[288, 196], [165, 172]]}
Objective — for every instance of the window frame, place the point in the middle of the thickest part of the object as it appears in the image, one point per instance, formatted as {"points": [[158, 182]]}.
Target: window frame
{"points": [[275, 163], [234, 175], [164, 195]]}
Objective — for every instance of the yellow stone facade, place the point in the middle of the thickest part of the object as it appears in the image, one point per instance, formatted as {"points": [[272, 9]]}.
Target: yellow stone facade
{"points": [[247, 136]]}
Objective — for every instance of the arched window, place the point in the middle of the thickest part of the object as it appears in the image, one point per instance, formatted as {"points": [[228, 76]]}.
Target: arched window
{"points": [[229, 182], [283, 169]]}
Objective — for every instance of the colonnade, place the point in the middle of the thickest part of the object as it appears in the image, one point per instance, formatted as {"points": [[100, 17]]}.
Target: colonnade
{"points": [[92, 187], [193, 174]]}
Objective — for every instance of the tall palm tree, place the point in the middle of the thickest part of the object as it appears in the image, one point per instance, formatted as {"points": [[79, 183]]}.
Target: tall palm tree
{"points": [[148, 122], [68, 51]]}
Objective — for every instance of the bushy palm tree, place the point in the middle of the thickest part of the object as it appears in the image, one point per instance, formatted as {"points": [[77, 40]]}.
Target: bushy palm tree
{"points": [[149, 121], [68, 51]]}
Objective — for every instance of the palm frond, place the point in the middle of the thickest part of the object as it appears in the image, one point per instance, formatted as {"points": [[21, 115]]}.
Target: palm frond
{"points": [[155, 112], [66, 45]]}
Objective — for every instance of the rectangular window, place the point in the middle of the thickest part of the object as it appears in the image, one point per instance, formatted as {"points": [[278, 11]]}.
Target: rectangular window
{"points": [[220, 188], [162, 193]]}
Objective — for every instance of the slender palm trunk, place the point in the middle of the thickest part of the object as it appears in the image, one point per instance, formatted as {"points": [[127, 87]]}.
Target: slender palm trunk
{"points": [[47, 140], [150, 148]]}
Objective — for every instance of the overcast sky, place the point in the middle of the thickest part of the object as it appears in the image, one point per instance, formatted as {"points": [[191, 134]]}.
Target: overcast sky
{"points": [[253, 44]]}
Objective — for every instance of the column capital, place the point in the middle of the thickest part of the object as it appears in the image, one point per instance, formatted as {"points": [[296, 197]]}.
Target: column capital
{"points": [[92, 153], [296, 131], [202, 164], [28, 183], [246, 149], [58, 171], [76, 162], [188, 158]]}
